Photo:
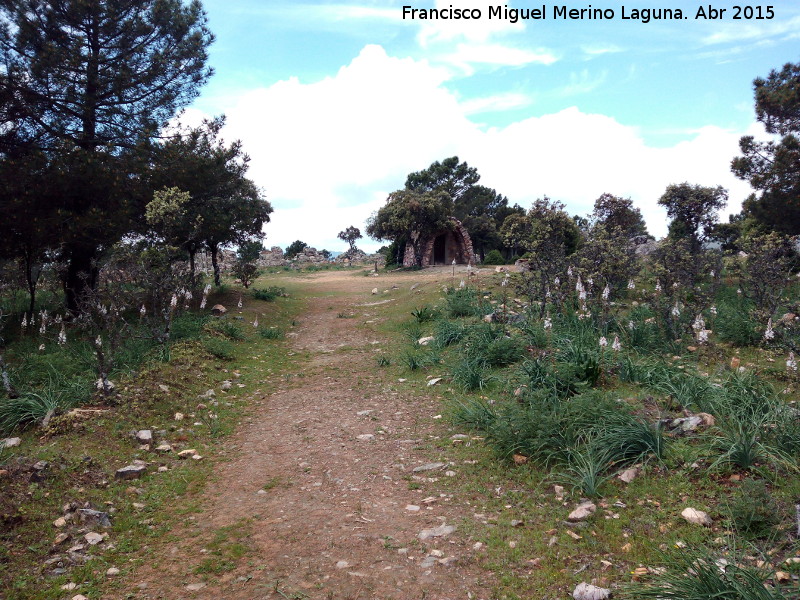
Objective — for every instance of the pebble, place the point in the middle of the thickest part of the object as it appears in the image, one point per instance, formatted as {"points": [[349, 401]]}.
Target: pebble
{"points": [[195, 587], [68, 587], [342, 564], [11, 442], [93, 538], [112, 572], [582, 512], [365, 437], [584, 591], [696, 517], [130, 472]]}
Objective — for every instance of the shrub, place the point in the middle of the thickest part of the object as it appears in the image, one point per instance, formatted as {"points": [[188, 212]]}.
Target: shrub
{"points": [[470, 374], [424, 314], [449, 332], [224, 327], [474, 413], [494, 258], [753, 510], [462, 302], [271, 333], [220, 348], [269, 294]]}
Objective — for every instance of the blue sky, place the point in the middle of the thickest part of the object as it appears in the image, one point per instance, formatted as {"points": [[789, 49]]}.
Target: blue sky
{"points": [[337, 101]]}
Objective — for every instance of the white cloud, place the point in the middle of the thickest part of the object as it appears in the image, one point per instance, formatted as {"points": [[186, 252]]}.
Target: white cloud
{"points": [[739, 31], [497, 102], [466, 56], [328, 153], [443, 30]]}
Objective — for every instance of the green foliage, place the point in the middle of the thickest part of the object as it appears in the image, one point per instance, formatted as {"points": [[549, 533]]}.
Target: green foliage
{"points": [[584, 470], [693, 210], [695, 574], [271, 333], [424, 314], [220, 348], [293, 249], [350, 235], [449, 332], [57, 395], [615, 213], [269, 294], [494, 258], [772, 167], [226, 328], [470, 374], [461, 302], [413, 216], [753, 510]]}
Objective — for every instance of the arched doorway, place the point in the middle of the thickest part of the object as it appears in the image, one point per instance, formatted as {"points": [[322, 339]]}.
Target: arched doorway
{"points": [[440, 249]]}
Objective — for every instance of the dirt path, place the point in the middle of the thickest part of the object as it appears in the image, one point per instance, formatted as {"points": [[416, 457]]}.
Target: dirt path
{"points": [[322, 476]]}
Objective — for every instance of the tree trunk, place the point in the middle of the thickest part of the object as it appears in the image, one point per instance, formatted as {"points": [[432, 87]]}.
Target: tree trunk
{"points": [[81, 275], [31, 280], [214, 263]]}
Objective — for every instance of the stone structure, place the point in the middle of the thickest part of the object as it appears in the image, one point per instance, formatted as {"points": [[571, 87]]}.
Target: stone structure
{"points": [[271, 258], [443, 247]]}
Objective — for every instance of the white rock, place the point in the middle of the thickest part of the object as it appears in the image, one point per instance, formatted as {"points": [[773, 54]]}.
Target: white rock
{"points": [[188, 453], [584, 591], [79, 597], [424, 341], [93, 538], [412, 507], [195, 587], [163, 448], [144, 436], [10, 442], [112, 572], [434, 381], [582, 512], [226, 385], [68, 587], [163, 388], [429, 467], [697, 517], [374, 291], [179, 416], [441, 531], [342, 564], [365, 437], [628, 475]]}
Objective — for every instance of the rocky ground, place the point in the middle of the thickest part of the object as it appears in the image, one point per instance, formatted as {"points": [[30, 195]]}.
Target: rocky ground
{"points": [[329, 477]]}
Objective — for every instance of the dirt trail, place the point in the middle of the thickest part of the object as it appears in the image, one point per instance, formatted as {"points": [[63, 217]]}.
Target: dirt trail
{"points": [[333, 521]]}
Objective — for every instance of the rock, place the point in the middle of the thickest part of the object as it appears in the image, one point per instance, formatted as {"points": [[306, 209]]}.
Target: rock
{"points": [[429, 467], [130, 472], [164, 448], [428, 562], [696, 517], [364, 413], [735, 362], [102, 519], [437, 553], [782, 576], [490, 318], [708, 420], [584, 591], [195, 587], [412, 507], [582, 512], [144, 436], [628, 475], [520, 459], [374, 291], [365, 437], [40, 471], [10, 442], [342, 564], [69, 587], [517, 523], [188, 453], [434, 381], [691, 423], [441, 531], [163, 388], [112, 572], [93, 538], [226, 385], [163, 469], [60, 522], [450, 561], [79, 597], [218, 310], [424, 341]]}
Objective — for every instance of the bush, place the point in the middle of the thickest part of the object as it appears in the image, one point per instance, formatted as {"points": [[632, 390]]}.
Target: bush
{"points": [[229, 329], [470, 374], [271, 333], [494, 258], [269, 294], [220, 348], [424, 314], [753, 510], [462, 302]]}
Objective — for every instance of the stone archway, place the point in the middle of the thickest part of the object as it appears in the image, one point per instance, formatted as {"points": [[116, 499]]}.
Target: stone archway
{"points": [[443, 247]]}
